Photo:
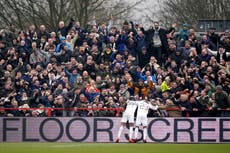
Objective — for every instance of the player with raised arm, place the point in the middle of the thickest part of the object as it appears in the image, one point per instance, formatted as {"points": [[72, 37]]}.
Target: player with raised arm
{"points": [[128, 115], [142, 112]]}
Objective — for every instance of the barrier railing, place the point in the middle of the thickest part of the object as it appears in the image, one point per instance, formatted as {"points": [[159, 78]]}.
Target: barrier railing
{"points": [[49, 110]]}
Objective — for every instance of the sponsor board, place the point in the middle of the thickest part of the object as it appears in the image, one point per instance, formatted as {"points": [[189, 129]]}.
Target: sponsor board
{"points": [[67, 129]]}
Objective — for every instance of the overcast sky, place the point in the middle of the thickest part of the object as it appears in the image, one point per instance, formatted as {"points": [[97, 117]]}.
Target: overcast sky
{"points": [[148, 8]]}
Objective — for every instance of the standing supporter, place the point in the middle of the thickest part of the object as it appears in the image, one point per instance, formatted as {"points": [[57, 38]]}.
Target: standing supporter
{"points": [[62, 29], [37, 56], [183, 34], [184, 105], [62, 44], [71, 101], [143, 57], [207, 43], [221, 54], [123, 92], [222, 101], [122, 61], [72, 76], [3, 49], [213, 36], [90, 67], [156, 39], [140, 40], [42, 32], [197, 108], [53, 38], [59, 105]]}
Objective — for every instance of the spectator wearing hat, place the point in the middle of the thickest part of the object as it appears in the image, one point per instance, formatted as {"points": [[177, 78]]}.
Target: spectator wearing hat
{"points": [[213, 36], [184, 33], [62, 44]]}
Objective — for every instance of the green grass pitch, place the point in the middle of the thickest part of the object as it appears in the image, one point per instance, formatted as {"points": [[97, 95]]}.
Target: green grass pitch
{"points": [[112, 148]]}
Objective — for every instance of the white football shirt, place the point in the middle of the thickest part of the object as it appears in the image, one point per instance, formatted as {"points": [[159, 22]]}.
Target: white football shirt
{"points": [[143, 108], [131, 107]]}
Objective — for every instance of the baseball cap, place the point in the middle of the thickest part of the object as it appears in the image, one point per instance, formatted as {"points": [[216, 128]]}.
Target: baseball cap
{"points": [[62, 38]]}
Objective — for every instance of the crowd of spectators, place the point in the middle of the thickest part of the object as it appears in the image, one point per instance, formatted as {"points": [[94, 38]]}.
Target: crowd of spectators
{"points": [[101, 66]]}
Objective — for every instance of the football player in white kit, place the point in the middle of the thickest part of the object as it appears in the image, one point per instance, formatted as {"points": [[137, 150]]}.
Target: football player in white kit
{"points": [[142, 112], [128, 115]]}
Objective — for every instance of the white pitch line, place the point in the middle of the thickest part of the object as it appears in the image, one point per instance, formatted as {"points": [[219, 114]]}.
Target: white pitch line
{"points": [[65, 146], [83, 145]]}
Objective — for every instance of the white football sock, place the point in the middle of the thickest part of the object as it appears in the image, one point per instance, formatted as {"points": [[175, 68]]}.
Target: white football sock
{"points": [[120, 131], [144, 133], [130, 132], [136, 132]]}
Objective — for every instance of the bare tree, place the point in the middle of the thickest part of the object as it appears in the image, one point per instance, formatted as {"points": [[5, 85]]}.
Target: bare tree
{"points": [[190, 11], [22, 13]]}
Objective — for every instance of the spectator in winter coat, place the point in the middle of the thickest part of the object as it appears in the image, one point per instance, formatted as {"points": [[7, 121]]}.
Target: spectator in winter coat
{"points": [[62, 44], [62, 29], [222, 101], [184, 105], [156, 39]]}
